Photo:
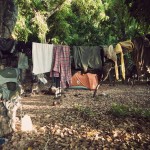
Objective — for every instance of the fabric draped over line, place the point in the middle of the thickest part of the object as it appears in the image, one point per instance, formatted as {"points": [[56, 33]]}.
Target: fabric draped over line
{"points": [[42, 57], [87, 57], [61, 65], [118, 49], [141, 54], [110, 53]]}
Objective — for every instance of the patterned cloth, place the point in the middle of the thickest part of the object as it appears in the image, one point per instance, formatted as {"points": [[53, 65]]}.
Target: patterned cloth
{"points": [[61, 65]]}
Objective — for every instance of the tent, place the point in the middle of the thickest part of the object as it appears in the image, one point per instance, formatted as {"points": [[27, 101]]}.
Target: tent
{"points": [[88, 80]]}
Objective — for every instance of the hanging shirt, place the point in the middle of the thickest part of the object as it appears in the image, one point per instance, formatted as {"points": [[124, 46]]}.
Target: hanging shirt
{"points": [[61, 65], [42, 57], [87, 57]]}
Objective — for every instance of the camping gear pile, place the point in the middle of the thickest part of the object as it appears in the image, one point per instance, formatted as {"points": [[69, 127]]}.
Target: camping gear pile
{"points": [[10, 92]]}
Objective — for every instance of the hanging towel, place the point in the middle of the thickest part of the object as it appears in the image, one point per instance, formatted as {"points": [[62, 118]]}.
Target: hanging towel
{"points": [[128, 45], [42, 57], [118, 49]]}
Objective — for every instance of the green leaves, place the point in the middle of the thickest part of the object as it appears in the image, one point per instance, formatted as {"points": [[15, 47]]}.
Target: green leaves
{"points": [[32, 20], [124, 111], [76, 22]]}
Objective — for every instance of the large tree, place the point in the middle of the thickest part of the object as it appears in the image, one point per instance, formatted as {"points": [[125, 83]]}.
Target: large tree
{"points": [[92, 23], [8, 17], [32, 18], [78, 23]]}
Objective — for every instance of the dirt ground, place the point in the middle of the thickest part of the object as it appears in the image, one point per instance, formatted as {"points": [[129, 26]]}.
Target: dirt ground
{"points": [[81, 122]]}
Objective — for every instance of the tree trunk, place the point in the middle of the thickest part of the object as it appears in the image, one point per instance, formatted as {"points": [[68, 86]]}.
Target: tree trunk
{"points": [[8, 17], [5, 128]]}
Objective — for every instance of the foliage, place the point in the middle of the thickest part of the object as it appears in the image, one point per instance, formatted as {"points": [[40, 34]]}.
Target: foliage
{"points": [[93, 23], [85, 112], [120, 110], [76, 22], [120, 25], [139, 9], [32, 19], [21, 31], [59, 28]]}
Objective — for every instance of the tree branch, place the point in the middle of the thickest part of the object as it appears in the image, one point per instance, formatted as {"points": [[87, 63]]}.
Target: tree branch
{"points": [[58, 7]]}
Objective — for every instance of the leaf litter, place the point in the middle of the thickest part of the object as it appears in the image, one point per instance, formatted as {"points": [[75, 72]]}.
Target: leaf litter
{"points": [[81, 122]]}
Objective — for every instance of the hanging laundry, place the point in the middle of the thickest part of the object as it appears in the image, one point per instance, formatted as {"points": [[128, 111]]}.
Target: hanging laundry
{"points": [[110, 54], [42, 57], [118, 49], [62, 65], [87, 57]]}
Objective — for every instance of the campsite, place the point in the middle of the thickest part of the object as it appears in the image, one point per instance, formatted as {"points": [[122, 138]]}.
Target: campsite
{"points": [[74, 75]]}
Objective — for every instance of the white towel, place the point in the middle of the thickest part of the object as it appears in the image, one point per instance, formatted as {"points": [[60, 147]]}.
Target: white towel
{"points": [[42, 55]]}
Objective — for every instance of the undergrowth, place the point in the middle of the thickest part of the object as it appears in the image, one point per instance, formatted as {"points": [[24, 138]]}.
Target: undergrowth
{"points": [[121, 110]]}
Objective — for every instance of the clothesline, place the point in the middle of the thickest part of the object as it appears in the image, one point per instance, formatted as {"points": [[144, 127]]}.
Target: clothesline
{"points": [[55, 59]]}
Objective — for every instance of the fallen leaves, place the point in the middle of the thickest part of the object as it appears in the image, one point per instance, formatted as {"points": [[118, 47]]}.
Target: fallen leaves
{"points": [[83, 123]]}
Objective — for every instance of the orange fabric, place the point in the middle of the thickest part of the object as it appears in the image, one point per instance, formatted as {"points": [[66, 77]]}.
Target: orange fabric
{"points": [[87, 80]]}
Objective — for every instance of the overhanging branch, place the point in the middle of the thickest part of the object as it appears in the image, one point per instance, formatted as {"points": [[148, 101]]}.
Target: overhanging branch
{"points": [[58, 7]]}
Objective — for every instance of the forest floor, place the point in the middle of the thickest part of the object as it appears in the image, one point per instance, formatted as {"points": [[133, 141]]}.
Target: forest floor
{"points": [[117, 118]]}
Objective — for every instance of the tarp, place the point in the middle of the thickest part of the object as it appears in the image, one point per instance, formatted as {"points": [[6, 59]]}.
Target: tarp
{"points": [[9, 75], [87, 80], [9, 79], [87, 57]]}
